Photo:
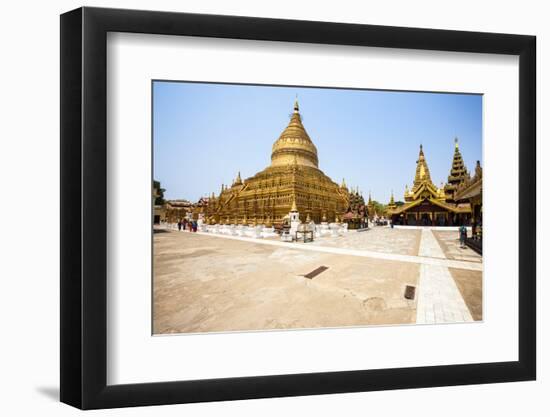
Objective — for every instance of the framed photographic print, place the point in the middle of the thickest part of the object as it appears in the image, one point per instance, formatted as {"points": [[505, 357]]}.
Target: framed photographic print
{"points": [[257, 208]]}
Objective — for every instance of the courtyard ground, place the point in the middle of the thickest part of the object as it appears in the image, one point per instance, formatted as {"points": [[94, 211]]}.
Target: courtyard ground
{"points": [[214, 283]]}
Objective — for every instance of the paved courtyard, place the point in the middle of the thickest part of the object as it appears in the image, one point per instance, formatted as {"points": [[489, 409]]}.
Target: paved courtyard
{"points": [[448, 242], [214, 283], [378, 239]]}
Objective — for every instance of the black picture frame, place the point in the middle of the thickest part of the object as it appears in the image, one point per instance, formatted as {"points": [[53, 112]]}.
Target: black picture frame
{"points": [[84, 207]]}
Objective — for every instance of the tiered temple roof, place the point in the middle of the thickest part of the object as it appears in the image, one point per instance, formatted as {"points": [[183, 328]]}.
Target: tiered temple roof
{"points": [[425, 196], [471, 187], [458, 174], [391, 205]]}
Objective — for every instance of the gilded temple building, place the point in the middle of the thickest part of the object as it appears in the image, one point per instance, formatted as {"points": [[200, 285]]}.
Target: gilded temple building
{"points": [[471, 191], [391, 204], [292, 180], [429, 205]]}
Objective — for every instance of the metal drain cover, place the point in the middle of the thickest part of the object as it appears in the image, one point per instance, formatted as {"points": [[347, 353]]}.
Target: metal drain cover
{"points": [[316, 272], [409, 292]]}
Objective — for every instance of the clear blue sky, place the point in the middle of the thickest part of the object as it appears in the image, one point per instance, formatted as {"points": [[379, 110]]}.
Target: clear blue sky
{"points": [[205, 133]]}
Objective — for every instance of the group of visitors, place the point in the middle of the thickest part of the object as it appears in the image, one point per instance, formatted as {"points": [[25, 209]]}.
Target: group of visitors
{"points": [[185, 224]]}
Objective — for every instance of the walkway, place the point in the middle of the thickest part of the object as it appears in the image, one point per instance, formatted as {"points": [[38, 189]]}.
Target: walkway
{"points": [[427, 259], [439, 299]]}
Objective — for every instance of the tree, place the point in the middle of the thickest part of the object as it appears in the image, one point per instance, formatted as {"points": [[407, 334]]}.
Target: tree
{"points": [[159, 198], [379, 207]]}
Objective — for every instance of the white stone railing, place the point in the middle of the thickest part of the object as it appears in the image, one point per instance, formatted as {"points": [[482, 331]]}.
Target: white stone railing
{"points": [[262, 231]]}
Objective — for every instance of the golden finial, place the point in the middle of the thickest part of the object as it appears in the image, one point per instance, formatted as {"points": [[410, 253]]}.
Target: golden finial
{"points": [[294, 208], [343, 183], [238, 179], [456, 143], [296, 106]]}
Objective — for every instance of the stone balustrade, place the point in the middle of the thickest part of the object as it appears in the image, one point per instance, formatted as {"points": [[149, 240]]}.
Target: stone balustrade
{"points": [[265, 232]]}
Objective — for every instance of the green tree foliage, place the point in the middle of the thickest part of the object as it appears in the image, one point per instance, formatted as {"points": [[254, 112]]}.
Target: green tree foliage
{"points": [[379, 207], [159, 200]]}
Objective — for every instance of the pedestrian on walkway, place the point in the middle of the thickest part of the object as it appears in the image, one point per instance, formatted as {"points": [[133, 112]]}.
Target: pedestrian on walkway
{"points": [[179, 225], [463, 233]]}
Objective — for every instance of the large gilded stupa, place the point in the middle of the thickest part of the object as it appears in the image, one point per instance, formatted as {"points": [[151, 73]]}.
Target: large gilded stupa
{"points": [[293, 182]]}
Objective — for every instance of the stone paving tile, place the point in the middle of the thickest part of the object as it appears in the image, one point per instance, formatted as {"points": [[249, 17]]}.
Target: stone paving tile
{"points": [[429, 246], [376, 239], [450, 244], [439, 299]]}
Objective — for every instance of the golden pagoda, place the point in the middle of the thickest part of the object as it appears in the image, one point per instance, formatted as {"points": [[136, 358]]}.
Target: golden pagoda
{"points": [[391, 205], [293, 181], [426, 204]]}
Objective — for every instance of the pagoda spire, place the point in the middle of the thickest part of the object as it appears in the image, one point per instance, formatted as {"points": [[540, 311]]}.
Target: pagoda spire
{"points": [[422, 171], [458, 173], [294, 208], [343, 185], [238, 180], [294, 141]]}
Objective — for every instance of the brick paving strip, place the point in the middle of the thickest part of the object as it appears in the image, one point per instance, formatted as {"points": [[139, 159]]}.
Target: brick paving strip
{"points": [[439, 299], [423, 260]]}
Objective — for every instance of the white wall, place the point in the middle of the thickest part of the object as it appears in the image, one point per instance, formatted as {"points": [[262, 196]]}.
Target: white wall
{"points": [[29, 168]]}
